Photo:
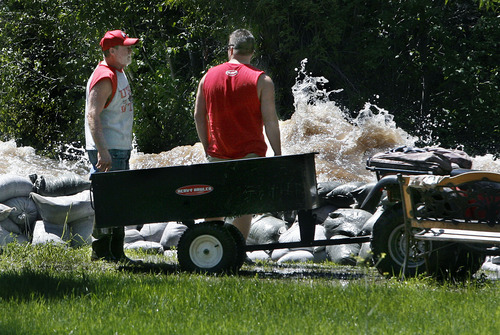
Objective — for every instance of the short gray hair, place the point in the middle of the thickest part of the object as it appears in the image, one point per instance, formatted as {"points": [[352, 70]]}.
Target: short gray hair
{"points": [[242, 41]]}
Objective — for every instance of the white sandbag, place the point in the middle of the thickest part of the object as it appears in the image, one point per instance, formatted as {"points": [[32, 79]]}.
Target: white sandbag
{"points": [[12, 186], [4, 211], [171, 235], [146, 246], [258, 255], [276, 254], [65, 209], [80, 231], [133, 235], [293, 235], [24, 212], [297, 256], [45, 232], [153, 231], [10, 226]]}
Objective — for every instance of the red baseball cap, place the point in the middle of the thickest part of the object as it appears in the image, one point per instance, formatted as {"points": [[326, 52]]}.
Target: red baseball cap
{"points": [[116, 37]]}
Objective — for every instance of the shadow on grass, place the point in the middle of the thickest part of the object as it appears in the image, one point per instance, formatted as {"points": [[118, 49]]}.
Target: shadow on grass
{"points": [[28, 284]]}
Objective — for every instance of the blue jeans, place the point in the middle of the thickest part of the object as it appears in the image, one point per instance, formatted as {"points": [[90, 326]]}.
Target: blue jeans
{"points": [[119, 159]]}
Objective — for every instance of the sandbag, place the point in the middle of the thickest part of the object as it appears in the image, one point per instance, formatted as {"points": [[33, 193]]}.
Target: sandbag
{"points": [[265, 229], [296, 256], [171, 235], [153, 231], [67, 184], [24, 212], [359, 194], [341, 196], [146, 246], [12, 186], [133, 235], [65, 209], [9, 226], [368, 226], [45, 232], [293, 235], [346, 221], [320, 256], [4, 211], [324, 188], [258, 255], [80, 231], [7, 236], [343, 254], [323, 212]]}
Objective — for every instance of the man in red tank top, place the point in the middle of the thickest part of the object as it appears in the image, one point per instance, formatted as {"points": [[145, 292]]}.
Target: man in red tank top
{"points": [[234, 105]]}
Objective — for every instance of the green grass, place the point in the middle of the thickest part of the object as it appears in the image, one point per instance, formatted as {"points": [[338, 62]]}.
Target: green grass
{"points": [[53, 290]]}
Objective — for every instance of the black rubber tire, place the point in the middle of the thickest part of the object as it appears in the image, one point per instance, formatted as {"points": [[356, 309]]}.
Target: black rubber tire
{"points": [[241, 253], [208, 247], [460, 263], [388, 246]]}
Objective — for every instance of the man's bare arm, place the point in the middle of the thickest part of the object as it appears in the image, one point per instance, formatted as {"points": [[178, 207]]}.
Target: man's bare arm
{"points": [[98, 97], [200, 116], [265, 88]]}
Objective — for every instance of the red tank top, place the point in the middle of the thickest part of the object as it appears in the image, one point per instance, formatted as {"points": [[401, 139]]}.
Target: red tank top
{"points": [[234, 117]]}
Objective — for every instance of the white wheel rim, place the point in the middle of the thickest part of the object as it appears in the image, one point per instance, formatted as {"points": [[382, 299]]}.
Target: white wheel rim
{"points": [[206, 251]]}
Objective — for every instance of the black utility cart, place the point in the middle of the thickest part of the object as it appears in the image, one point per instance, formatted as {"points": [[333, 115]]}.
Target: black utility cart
{"points": [[220, 189]]}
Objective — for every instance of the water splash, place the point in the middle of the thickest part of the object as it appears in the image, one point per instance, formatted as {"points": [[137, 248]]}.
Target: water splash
{"points": [[343, 144], [318, 125]]}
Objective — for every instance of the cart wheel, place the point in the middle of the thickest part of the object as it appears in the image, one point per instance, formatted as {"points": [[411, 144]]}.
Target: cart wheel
{"points": [[241, 254], [389, 246], [207, 247]]}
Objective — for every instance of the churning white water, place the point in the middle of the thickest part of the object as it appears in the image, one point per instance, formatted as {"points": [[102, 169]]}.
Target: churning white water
{"points": [[318, 125]]}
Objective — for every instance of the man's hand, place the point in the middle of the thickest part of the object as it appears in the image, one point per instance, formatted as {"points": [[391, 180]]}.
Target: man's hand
{"points": [[104, 161]]}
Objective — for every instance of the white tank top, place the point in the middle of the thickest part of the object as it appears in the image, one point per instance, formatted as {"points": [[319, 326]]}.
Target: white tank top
{"points": [[116, 118]]}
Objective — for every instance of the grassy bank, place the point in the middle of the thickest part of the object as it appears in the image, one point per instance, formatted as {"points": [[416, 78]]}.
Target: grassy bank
{"points": [[52, 290]]}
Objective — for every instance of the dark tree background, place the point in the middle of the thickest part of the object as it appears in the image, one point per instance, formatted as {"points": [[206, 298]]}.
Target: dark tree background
{"points": [[434, 64]]}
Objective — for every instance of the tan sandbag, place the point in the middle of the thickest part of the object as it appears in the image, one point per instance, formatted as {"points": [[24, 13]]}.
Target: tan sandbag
{"points": [[171, 235], [65, 209], [12, 186]]}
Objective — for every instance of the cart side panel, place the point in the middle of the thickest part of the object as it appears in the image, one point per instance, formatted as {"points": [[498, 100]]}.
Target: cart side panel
{"points": [[217, 189]]}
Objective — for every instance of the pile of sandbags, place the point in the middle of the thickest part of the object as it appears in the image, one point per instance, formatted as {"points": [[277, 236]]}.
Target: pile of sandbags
{"points": [[41, 210], [337, 217], [154, 237]]}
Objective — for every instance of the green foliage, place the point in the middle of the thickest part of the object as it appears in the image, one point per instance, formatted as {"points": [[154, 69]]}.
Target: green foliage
{"points": [[433, 64]]}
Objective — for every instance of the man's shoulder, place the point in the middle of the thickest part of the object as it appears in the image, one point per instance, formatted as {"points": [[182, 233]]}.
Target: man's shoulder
{"points": [[103, 70]]}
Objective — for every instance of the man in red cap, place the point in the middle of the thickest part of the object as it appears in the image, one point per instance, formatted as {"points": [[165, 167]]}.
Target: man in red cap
{"points": [[109, 116]]}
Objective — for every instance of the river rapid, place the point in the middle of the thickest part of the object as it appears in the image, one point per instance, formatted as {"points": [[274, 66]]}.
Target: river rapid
{"points": [[342, 144]]}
